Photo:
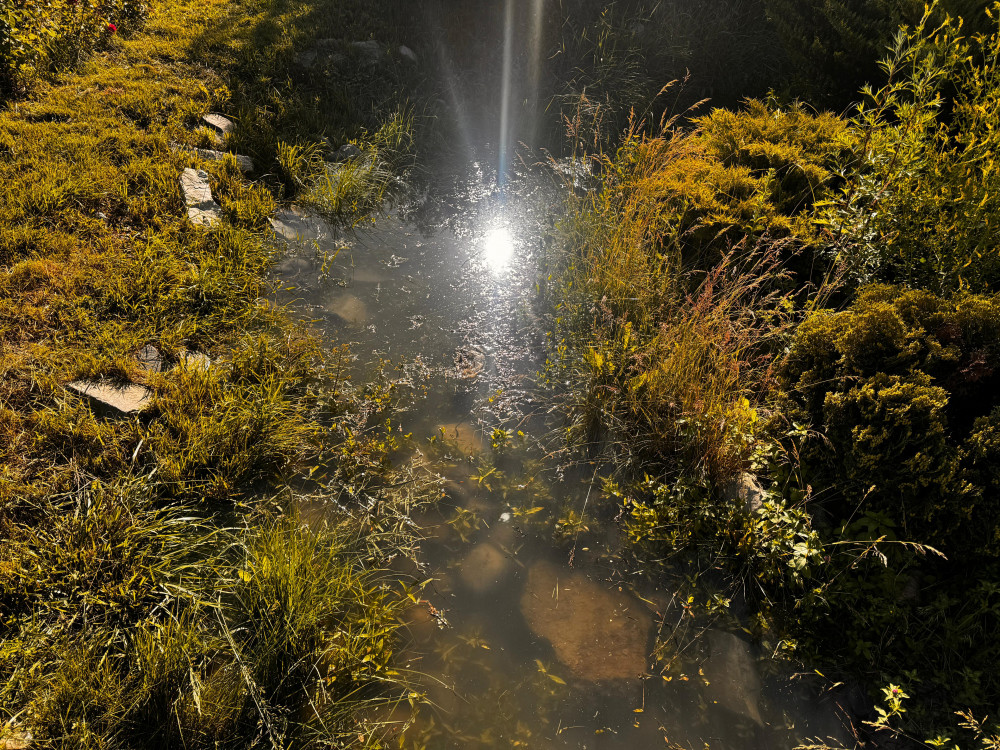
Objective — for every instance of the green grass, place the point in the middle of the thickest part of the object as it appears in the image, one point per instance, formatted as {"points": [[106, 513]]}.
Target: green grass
{"points": [[153, 590]]}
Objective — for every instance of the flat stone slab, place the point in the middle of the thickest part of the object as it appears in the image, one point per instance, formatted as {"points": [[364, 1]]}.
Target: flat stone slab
{"points": [[202, 209], [245, 163], [221, 124], [299, 226], [128, 399], [195, 360], [598, 632]]}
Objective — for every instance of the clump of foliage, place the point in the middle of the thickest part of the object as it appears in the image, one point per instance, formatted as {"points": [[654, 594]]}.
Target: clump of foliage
{"points": [[903, 389], [919, 204], [672, 280], [36, 36]]}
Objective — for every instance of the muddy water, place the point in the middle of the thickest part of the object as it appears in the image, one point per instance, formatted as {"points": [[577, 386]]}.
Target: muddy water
{"points": [[534, 632]]}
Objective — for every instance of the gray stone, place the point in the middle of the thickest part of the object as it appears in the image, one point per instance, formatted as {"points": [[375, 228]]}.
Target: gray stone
{"points": [[326, 51], [149, 359], [222, 125], [346, 152], [127, 399], [746, 490], [369, 52], [245, 163], [297, 226], [599, 632], [731, 673], [202, 210], [407, 54], [194, 360]]}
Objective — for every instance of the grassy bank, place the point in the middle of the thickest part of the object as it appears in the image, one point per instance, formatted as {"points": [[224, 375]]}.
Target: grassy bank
{"points": [[158, 586]]}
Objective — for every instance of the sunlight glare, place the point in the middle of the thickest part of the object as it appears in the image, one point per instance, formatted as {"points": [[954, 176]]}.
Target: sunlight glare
{"points": [[498, 248]]}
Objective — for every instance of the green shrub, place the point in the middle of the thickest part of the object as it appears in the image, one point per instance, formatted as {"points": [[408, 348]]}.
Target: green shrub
{"points": [[920, 203], [902, 388]]}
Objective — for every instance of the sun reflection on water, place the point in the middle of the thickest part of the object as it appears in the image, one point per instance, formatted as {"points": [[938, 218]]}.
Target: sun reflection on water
{"points": [[498, 248]]}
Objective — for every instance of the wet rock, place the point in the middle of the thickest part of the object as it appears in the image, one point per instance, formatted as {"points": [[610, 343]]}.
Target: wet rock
{"points": [[369, 53], [747, 491], [300, 227], [484, 568], [346, 152], [111, 398], [365, 276], [470, 361], [731, 671], [149, 359], [223, 126], [348, 308], [599, 634], [202, 210], [464, 435], [291, 266], [407, 54]]}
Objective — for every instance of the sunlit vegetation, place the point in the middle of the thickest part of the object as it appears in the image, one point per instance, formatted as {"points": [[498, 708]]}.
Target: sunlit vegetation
{"points": [[158, 587], [714, 317], [765, 293]]}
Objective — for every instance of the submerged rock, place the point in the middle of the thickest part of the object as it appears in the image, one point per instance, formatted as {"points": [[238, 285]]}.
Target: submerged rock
{"points": [[464, 435], [348, 308], [296, 225], [731, 671], [599, 634], [470, 361], [484, 568], [202, 210], [115, 399]]}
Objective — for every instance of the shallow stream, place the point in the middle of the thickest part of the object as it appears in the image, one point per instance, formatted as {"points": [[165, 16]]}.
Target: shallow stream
{"points": [[536, 631]]}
